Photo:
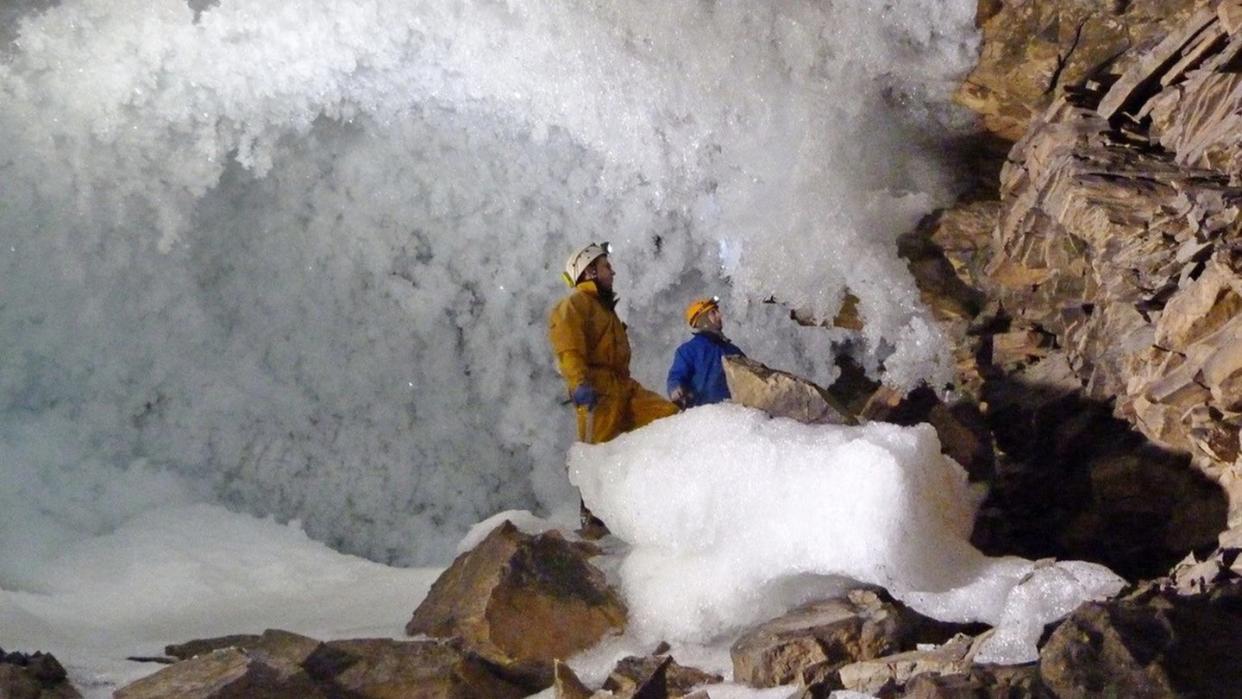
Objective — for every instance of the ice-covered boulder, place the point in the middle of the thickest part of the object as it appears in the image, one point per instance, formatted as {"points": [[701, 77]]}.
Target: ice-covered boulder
{"points": [[735, 517]]}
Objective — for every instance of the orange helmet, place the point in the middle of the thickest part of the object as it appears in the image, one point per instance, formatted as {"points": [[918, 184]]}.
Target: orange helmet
{"points": [[698, 307]]}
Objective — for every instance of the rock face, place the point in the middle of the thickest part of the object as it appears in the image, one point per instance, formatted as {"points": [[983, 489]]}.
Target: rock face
{"points": [[1121, 242], [810, 643], [1155, 645], [1032, 50], [280, 664], [33, 676], [521, 602]]}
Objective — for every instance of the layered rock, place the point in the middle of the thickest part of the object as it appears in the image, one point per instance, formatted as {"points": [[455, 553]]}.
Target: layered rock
{"points": [[854, 398], [521, 602], [282, 664], [656, 675], [1032, 50], [874, 675], [812, 642], [652, 677], [1128, 254], [227, 672], [782, 394]]}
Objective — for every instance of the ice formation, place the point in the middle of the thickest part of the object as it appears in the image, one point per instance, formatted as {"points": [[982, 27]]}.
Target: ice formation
{"points": [[296, 255], [182, 572], [734, 517]]}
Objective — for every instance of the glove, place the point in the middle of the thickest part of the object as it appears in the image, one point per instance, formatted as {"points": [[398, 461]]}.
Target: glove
{"points": [[585, 395], [680, 397]]}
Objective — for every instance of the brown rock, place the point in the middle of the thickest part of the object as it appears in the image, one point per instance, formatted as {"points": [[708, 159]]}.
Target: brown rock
{"points": [[964, 236], [1032, 50], [848, 317], [225, 674], [16, 683], [811, 642], [1122, 252], [634, 673], [1230, 14], [33, 676], [201, 646], [286, 645], [782, 394], [1193, 576], [521, 602], [870, 676], [982, 682], [380, 668], [1152, 65], [566, 684], [1164, 645]]}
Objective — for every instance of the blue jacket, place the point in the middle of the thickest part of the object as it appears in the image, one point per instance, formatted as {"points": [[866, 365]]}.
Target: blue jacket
{"points": [[697, 368]]}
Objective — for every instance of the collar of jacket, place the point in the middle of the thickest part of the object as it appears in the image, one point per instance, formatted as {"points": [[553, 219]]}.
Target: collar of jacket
{"points": [[712, 334], [590, 288]]}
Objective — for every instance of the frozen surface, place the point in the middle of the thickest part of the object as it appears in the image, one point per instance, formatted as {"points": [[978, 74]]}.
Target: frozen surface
{"points": [[297, 255], [734, 517], [180, 573]]}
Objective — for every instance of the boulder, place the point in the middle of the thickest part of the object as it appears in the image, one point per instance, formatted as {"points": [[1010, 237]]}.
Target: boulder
{"points": [[1157, 645], [870, 676], [379, 668], [781, 394], [286, 645], [521, 602], [201, 646], [16, 683], [814, 640], [34, 676], [647, 676], [981, 682], [283, 664], [225, 674]]}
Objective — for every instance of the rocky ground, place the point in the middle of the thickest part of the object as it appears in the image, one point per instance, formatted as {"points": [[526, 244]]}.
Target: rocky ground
{"points": [[1092, 283]]}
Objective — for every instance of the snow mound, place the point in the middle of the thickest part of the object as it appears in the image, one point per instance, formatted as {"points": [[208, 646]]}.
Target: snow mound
{"points": [[735, 517]]}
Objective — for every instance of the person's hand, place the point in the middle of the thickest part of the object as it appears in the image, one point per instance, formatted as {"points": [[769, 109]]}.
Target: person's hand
{"points": [[680, 397], [584, 395]]}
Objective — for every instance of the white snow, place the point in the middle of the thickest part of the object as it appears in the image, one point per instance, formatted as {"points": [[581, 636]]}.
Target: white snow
{"points": [[186, 572], [300, 252], [734, 517], [294, 257], [721, 517]]}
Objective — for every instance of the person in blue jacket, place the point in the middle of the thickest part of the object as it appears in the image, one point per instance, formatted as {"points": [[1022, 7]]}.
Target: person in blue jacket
{"points": [[697, 375]]}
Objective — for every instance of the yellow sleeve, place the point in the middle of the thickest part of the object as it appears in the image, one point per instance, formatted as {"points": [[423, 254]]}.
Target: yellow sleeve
{"points": [[566, 332]]}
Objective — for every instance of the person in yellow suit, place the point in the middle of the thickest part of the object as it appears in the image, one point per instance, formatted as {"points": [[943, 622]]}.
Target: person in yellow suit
{"points": [[593, 352]]}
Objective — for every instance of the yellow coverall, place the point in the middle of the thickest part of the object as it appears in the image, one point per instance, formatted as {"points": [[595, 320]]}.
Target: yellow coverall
{"points": [[591, 347]]}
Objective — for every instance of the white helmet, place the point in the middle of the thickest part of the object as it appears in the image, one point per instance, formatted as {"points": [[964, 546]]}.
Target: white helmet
{"points": [[579, 261]]}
